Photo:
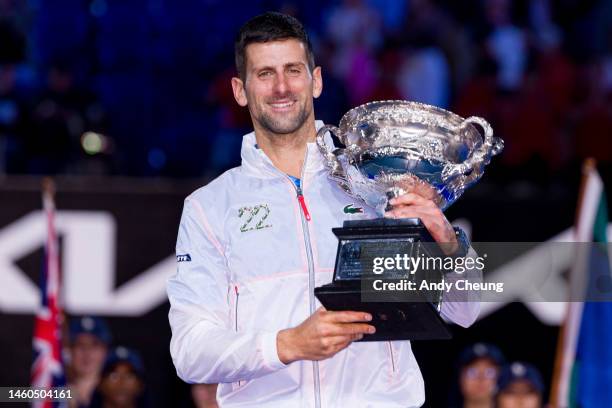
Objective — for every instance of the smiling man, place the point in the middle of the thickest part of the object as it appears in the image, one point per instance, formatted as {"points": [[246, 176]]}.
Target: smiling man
{"points": [[254, 243]]}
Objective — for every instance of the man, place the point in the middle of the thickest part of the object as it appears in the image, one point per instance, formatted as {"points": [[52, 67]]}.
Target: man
{"points": [[479, 367], [89, 340], [122, 383], [254, 243], [519, 386]]}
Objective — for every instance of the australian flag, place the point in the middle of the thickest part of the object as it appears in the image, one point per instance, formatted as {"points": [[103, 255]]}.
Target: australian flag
{"points": [[47, 367]]}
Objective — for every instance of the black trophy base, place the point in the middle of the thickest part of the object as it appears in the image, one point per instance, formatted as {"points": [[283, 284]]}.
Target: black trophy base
{"points": [[394, 319]]}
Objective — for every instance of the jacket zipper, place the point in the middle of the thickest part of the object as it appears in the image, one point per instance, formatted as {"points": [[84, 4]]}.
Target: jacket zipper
{"points": [[305, 216], [300, 197], [236, 319], [392, 357]]}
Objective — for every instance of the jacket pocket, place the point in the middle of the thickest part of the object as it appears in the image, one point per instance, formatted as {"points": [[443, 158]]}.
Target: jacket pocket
{"points": [[240, 383], [236, 299]]}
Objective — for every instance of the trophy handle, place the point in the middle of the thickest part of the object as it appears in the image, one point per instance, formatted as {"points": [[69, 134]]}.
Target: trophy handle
{"points": [[336, 171], [490, 147]]}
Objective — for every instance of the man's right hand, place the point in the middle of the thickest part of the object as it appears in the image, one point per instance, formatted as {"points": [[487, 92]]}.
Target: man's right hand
{"points": [[322, 335]]}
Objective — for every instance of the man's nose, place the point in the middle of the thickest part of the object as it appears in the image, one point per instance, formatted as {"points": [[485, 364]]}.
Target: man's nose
{"points": [[281, 85]]}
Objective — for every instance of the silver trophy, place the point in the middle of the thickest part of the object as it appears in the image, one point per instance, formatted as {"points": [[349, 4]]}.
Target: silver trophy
{"points": [[397, 147], [392, 148]]}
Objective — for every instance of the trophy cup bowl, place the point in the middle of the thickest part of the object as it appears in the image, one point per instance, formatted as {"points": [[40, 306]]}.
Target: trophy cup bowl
{"points": [[396, 147], [390, 148]]}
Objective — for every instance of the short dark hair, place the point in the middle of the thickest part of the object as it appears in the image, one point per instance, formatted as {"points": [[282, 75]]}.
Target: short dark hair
{"points": [[270, 26]]}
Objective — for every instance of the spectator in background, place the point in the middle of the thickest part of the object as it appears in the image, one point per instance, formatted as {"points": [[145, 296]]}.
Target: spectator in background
{"points": [[19, 14], [520, 386], [555, 74], [506, 44], [546, 34], [593, 117], [390, 61], [12, 109], [122, 383], [361, 79], [435, 54], [424, 75], [478, 370], [89, 341], [12, 112], [55, 124], [355, 21], [63, 113], [355, 30], [392, 12], [233, 121]]}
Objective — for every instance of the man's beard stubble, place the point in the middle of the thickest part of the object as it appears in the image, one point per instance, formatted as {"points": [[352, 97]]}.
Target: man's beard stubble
{"points": [[275, 126]]}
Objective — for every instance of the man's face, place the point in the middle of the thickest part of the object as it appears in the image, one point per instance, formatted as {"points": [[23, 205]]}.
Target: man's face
{"points": [[478, 380], [519, 394], [278, 87], [121, 387], [87, 355]]}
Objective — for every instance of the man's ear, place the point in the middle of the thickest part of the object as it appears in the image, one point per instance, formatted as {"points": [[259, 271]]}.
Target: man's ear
{"points": [[239, 92], [317, 82]]}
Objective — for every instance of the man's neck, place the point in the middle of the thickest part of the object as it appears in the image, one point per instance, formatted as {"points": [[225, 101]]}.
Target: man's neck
{"points": [[287, 152], [86, 379], [85, 386], [484, 403]]}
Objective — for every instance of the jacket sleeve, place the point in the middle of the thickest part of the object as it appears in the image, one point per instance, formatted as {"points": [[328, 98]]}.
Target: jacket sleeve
{"points": [[205, 347], [462, 306]]}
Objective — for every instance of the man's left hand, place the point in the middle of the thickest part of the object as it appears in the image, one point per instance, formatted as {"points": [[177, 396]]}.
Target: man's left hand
{"points": [[412, 205]]}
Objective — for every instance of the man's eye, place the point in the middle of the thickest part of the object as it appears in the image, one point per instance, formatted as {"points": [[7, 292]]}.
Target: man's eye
{"points": [[295, 71], [264, 74]]}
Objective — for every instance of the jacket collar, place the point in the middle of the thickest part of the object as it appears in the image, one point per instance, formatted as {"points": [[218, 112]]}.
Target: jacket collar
{"points": [[256, 163]]}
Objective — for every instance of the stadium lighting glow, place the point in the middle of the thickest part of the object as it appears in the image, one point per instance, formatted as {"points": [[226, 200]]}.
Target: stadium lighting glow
{"points": [[92, 142]]}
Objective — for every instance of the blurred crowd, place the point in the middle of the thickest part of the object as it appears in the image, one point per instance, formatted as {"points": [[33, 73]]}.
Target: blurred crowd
{"points": [[99, 374], [102, 375], [485, 379], [142, 88]]}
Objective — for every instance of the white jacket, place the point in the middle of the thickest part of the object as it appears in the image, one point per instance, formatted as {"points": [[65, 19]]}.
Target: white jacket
{"points": [[248, 260]]}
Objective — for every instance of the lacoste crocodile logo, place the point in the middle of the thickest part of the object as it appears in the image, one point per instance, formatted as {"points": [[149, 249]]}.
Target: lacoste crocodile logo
{"points": [[349, 209]]}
